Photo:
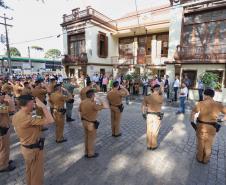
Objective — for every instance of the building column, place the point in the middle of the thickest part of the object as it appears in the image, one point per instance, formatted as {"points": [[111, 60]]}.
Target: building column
{"points": [[65, 42], [135, 48], [170, 71], [175, 30], [153, 49], [115, 72]]}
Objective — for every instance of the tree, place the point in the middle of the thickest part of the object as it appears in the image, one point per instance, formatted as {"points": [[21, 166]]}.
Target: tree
{"points": [[211, 80], [14, 52], [53, 53], [2, 4]]}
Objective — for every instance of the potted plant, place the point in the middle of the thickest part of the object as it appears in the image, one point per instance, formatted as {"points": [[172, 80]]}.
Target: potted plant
{"points": [[211, 80]]}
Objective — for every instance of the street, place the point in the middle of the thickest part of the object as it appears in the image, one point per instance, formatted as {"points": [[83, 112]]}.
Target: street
{"points": [[125, 160]]}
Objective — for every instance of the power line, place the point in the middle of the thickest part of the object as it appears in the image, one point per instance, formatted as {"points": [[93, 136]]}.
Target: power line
{"points": [[86, 27]]}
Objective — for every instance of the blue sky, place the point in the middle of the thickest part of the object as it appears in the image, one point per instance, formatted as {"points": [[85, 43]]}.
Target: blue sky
{"points": [[34, 19]]}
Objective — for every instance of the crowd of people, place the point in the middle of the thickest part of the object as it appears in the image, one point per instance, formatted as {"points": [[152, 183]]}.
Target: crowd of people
{"points": [[31, 103]]}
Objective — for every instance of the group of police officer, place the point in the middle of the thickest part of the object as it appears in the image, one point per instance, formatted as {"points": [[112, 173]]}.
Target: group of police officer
{"points": [[18, 100]]}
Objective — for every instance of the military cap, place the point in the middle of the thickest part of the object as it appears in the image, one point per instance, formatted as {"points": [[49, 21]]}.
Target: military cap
{"points": [[26, 97], [156, 86], [209, 92], [115, 84]]}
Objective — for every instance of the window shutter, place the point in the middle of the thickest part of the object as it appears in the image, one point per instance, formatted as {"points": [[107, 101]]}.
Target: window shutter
{"points": [[98, 45], [106, 47]]}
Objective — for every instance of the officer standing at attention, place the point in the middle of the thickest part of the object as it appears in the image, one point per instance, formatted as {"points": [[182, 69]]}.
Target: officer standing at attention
{"points": [[115, 100], [6, 107], [207, 126], [88, 110], [151, 108], [89, 86], [69, 104], [28, 129], [57, 100]]}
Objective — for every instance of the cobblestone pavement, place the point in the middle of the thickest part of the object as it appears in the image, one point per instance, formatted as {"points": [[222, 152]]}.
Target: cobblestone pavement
{"points": [[125, 160]]}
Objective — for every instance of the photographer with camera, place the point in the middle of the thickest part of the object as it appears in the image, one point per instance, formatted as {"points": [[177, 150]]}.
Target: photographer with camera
{"points": [[28, 129], [207, 126], [151, 109]]}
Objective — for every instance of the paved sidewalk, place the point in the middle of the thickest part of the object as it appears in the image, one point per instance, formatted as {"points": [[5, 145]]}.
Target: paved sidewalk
{"points": [[125, 160]]}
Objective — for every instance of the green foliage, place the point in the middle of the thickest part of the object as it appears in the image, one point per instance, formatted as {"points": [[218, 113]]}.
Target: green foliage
{"points": [[53, 53], [3, 5], [129, 77], [136, 76], [211, 80], [14, 52]]}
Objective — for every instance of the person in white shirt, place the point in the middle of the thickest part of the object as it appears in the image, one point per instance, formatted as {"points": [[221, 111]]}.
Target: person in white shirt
{"points": [[145, 86], [95, 79], [183, 96], [176, 86], [60, 79]]}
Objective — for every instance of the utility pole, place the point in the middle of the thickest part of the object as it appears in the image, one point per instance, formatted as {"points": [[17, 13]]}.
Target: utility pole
{"points": [[7, 40]]}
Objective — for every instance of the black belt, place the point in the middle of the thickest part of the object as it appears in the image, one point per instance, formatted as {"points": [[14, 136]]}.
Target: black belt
{"points": [[39, 144], [120, 107], [3, 131], [207, 123], [214, 124], [62, 110], [154, 113], [83, 119], [96, 123]]}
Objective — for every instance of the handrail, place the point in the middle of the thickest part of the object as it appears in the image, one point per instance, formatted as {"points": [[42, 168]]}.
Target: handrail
{"points": [[209, 52], [129, 60], [85, 13]]}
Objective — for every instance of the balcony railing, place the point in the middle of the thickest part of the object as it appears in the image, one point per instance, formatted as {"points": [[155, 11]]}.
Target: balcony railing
{"points": [[89, 12], [75, 60], [130, 60], [213, 53], [119, 60], [148, 59]]}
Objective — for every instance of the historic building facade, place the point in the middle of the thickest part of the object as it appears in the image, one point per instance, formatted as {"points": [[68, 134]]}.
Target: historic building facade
{"points": [[201, 44], [182, 37], [138, 42]]}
